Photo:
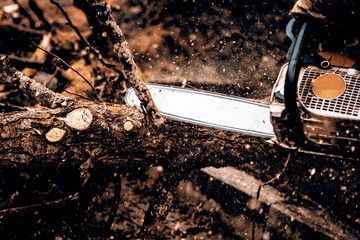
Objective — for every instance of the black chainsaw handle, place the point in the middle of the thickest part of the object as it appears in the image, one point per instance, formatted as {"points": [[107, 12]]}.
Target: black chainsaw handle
{"points": [[297, 53]]}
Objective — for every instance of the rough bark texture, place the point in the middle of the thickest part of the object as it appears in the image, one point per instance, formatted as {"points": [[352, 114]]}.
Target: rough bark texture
{"points": [[106, 134], [100, 17], [99, 134], [68, 135]]}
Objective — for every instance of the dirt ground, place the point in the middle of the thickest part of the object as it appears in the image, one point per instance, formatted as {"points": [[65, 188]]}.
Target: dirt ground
{"points": [[232, 47]]}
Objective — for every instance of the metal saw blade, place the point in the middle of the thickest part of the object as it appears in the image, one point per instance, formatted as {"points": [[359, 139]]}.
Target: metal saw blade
{"points": [[209, 109]]}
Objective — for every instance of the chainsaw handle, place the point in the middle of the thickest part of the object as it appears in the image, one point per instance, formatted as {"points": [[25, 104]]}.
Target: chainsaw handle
{"points": [[290, 94], [290, 34]]}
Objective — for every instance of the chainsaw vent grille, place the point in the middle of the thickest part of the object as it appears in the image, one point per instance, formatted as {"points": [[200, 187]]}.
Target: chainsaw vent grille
{"points": [[347, 104]]}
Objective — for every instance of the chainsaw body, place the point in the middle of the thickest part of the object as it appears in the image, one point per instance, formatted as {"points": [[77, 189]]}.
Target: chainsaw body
{"points": [[315, 107]]}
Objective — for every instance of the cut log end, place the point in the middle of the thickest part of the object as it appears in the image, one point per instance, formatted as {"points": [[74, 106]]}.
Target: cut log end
{"points": [[55, 134], [128, 126], [79, 119]]}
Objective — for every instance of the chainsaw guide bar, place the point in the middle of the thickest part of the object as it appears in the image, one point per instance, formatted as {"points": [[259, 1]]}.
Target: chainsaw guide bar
{"points": [[209, 109]]}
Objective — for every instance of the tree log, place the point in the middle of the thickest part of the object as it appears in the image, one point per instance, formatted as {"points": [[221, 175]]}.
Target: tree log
{"points": [[68, 135], [106, 133], [100, 132]]}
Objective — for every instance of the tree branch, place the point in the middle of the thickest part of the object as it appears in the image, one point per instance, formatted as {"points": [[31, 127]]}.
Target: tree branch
{"points": [[41, 94], [100, 18]]}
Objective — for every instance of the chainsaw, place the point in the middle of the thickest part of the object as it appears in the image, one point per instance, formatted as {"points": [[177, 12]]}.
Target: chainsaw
{"points": [[314, 106]]}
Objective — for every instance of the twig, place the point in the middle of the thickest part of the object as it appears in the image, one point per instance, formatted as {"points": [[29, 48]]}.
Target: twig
{"points": [[277, 176], [93, 96], [68, 65], [70, 22], [78, 95], [39, 205]]}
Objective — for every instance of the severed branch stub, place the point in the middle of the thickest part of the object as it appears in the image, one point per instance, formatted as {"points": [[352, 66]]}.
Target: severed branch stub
{"points": [[79, 119], [55, 134], [100, 18], [128, 126]]}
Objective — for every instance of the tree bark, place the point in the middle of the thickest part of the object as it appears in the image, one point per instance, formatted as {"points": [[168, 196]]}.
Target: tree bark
{"points": [[108, 134], [36, 90], [115, 135], [69, 135]]}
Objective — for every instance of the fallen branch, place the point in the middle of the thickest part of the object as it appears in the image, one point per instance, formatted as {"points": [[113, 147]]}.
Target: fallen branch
{"points": [[163, 193]]}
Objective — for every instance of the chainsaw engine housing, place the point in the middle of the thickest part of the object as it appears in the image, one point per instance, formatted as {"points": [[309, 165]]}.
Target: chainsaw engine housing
{"points": [[328, 102]]}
